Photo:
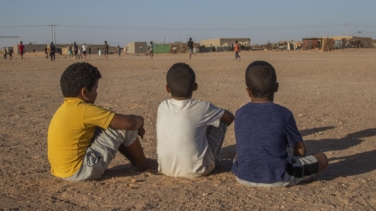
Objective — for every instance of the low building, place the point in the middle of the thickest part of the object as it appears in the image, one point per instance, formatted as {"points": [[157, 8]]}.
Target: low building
{"points": [[136, 47], [31, 48], [225, 42], [354, 41], [339, 42]]}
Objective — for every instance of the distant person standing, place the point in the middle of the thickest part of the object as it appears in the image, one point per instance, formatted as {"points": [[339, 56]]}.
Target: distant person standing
{"points": [[191, 44], [84, 47], [70, 51], [105, 47], [52, 51], [75, 50], [151, 53], [79, 54], [10, 52], [237, 50], [119, 50], [21, 49], [46, 51], [5, 51]]}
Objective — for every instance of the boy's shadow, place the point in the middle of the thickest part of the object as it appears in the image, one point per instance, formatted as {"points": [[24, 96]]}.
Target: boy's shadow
{"points": [[350, 165], [352, 139], [124, 170], [354, 163]]}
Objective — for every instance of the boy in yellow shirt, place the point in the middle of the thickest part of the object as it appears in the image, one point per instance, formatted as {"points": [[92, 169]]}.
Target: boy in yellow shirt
{"points": [[83, 138]]}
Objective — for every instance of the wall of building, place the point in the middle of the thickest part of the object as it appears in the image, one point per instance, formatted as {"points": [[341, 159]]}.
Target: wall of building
{"points": [[31, 48], [178, 47], [221, 42], [134, 47], [216, 42], [365, 41]]}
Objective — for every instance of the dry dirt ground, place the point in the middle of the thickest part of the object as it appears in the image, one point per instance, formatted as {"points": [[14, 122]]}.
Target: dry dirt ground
{"points": [[332, 96]]}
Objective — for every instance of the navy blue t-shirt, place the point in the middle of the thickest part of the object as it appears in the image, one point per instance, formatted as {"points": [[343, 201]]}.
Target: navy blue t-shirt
{"points": [[262, 133]]}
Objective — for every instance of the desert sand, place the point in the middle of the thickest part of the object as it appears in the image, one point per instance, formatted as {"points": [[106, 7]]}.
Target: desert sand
{"points": [[331, 94]]}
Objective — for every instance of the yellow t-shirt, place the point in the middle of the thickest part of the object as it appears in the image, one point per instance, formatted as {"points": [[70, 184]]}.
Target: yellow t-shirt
{"points": [[70, 134]]}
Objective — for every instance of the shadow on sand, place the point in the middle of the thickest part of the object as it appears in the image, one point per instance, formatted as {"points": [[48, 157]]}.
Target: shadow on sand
{"points": [[125, 170]]}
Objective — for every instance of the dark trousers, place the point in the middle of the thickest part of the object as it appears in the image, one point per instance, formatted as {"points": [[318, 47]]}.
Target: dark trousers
{"points": [[52, 55], [237, 55]]}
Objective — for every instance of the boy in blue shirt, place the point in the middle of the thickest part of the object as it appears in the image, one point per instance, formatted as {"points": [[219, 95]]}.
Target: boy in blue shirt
{"points": [[263, 131]]}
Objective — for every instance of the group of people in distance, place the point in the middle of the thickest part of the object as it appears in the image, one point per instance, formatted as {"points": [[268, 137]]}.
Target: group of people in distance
{"points": [[50, 50], [75, 52], [7, 51], [83, 138]]}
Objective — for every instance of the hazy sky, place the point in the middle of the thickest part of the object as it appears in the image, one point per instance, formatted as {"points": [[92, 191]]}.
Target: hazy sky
{"points": [[123, 21]]}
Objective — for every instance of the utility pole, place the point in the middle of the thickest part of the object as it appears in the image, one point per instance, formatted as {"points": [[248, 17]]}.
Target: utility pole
{"points": [[54, 34], [347, 25]]}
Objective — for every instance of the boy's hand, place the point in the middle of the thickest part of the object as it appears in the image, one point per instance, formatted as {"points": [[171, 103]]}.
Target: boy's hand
{"points": [[299, 149], [141, 131]]}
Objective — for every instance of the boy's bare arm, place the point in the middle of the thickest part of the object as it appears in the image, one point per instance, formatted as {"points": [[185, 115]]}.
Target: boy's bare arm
{"points": [[127, 122], [227, 117], [299, 149]]}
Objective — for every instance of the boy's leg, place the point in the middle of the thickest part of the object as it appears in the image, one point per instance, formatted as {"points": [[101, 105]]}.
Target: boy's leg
{"points": [[123, 150], [216, 136], [301, 169], [135, 154], [102, 151], [322, 160]]}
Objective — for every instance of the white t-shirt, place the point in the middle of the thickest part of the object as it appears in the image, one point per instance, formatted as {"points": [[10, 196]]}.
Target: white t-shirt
{"points": [[182, 146], [83, 47]]}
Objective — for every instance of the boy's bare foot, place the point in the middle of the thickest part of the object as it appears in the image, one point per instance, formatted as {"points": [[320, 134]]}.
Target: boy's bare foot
{"points": [[150, 164], [309, 180]]}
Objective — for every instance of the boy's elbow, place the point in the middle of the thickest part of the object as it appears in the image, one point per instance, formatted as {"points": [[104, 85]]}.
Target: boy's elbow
{"points": [[231, 119], [228, 117], [135, 122], [125, 122]]}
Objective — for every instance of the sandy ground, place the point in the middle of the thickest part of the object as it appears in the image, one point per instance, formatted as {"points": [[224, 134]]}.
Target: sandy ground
{"points": [[332, 96]]}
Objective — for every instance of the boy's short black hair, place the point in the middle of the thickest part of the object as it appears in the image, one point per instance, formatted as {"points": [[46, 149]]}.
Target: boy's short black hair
{"points": [[261, 79], [181, 80], [78, 76]]}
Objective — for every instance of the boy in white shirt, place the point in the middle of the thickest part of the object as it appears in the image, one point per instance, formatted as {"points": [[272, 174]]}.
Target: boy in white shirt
{"points": [[190, 132], [84, 47]]}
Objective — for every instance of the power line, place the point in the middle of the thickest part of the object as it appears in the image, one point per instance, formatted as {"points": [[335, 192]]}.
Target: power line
{"points": [[23, 26], [164, 28], [364, 25], [171, 28]]}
